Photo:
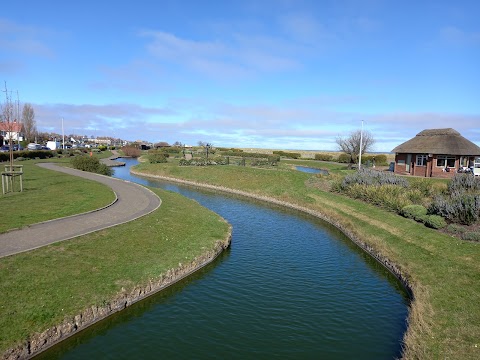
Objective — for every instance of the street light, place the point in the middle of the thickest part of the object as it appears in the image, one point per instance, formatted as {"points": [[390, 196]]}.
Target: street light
{"points": [[360, 151]]}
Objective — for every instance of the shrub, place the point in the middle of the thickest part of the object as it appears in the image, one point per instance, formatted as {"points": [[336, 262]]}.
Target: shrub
{"points": [[389, 196], [372, 177], [456, 229], [290, 155], [323, 157], [381, 160], [102, 148], [270, 161], [91, 164], [173, 150], [414, 212], [344, 158], [463, 182], [220, 160], [131, 151], [199, 162], [471, 236], [274, 158], [460, 208], [424, 186], [229, 149], [157, 158], [104, 170], [434, 221], [245, 155]]}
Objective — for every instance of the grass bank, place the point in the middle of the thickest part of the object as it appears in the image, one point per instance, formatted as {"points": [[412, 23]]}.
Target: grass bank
{"points": [[43, 287], [443, 272], [50, 195]]}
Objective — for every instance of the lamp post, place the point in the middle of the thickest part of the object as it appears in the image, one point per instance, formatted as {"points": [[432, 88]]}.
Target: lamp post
{"points": [[207, 147], [360, 151]]}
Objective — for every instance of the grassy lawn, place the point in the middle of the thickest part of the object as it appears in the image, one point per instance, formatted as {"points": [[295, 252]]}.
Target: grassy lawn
{"points": [[42, 287], [444, 272], [49, 195]]}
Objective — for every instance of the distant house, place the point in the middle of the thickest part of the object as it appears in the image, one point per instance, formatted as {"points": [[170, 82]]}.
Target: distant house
{"points": [[161, 144], [12, 130], [437, 153]]}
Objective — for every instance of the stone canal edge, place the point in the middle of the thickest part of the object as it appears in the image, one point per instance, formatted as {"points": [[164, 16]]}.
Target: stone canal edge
{"points": [[39, 342]]}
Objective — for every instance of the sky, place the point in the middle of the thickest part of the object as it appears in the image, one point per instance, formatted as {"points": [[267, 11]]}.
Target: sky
{"points": [[276, 74]]}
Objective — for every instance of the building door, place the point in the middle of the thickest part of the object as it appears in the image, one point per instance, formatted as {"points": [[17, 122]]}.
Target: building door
{"points": [[408, 163]]}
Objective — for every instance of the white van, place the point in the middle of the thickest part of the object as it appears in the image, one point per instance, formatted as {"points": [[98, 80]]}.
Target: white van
{"points": [[53, 145]]}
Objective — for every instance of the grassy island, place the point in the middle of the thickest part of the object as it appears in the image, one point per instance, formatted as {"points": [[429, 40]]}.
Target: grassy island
{"points": [[43, 287], [443, 272]]}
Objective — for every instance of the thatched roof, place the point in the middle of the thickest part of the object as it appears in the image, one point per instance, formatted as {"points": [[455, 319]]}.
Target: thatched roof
{"points": [[439, 141]]}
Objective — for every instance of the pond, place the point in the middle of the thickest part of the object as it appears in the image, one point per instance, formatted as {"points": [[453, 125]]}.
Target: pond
{"points": [[311, 170], [290, 287]]}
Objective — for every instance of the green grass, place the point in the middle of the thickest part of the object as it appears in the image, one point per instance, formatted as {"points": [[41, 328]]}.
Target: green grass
{"points": [[42, 287], [49, 195], [444, 272]]}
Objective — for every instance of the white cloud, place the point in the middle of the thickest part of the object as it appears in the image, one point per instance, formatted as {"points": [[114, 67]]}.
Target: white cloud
{"points": [[456, 36], [237, 57], [297, 125], [305, 28], [20, 39]]}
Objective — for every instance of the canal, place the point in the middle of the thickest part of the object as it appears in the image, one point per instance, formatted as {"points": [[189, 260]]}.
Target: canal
{"points": [[290, 287]]}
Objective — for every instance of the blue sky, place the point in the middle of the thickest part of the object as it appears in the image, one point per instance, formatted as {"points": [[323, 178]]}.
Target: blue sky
{"points": [[288, 74]]}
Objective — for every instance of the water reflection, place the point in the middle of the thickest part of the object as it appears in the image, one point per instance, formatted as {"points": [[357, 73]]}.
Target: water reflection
{"points": [[291, 286], [311, 170]]}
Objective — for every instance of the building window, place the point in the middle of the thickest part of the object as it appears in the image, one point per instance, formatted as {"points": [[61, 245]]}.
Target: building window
{"points": [[445, 161], [422, 160]]}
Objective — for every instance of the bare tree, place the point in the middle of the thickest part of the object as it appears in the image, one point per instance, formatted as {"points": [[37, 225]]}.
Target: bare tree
{"points": [[8, 120], [29, 123], [351, 144]]}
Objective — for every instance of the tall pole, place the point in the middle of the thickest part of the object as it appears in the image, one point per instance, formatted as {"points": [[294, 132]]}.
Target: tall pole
{"points": [[18, 121], [63, 136], [360, 151]]}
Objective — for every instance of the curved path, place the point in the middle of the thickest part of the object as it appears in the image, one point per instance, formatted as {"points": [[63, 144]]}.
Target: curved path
{"points": [[133, 201]]}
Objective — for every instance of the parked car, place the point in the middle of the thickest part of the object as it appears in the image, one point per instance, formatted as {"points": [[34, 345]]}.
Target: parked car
{"points": [[33, 146], [4, 148], [17, 147]]}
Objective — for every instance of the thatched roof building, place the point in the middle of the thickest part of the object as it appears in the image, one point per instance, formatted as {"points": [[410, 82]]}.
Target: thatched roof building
{"points": [[439, 141], [437, 153]]}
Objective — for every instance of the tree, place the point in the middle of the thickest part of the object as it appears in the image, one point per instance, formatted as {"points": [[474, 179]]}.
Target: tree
{"points": [[29, 123], [8, 120], [351, 144]]}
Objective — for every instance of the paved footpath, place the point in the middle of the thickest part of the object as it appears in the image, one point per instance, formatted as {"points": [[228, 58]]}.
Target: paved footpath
{"points": [[133, 201]]}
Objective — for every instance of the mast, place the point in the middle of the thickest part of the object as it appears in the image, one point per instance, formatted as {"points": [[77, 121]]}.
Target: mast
{"points": [[360, 151]]}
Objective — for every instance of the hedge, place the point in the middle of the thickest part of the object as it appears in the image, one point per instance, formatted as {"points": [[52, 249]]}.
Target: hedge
{"points": [[27, 154]]}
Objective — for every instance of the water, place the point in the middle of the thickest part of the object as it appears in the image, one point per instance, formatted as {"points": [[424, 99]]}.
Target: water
{"points": [[290, 287], [311, 170]]}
